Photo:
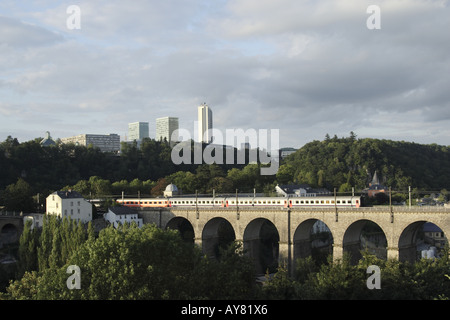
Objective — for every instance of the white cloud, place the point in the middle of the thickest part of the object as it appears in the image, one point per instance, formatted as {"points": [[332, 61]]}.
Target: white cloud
{"points": [[306, 67]]}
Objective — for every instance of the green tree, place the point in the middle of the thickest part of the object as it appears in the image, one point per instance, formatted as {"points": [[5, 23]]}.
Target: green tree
{"points": [[19, 197], [27, 252]]}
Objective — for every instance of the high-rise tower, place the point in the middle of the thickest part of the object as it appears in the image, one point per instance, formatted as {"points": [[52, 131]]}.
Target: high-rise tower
{"points": [[205, 123], [165, 127], [138, 131]]}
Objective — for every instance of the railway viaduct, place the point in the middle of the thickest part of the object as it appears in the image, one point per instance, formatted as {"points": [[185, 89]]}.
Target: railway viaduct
{"points": [[11, 226], [293, 226]]}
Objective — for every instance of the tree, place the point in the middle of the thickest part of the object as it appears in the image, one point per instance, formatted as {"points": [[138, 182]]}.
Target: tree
{"points": [[27, 252], [18, 197], [159, 188], [99, 186], [148, 263], [285, 174]]}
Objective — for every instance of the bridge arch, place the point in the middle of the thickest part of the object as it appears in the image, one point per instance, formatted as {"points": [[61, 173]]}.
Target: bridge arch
{"points": [[184, 226], [9, 233], [261, 242], [217, 234], [353, 241], [306, 238], [409, 238]]}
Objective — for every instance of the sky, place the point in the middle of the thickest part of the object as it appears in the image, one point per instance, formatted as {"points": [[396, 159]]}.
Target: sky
{"points": [[304, 67]]}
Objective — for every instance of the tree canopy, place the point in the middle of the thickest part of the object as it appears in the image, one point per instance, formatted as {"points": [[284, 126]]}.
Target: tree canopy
{"points": [[343, 163]]}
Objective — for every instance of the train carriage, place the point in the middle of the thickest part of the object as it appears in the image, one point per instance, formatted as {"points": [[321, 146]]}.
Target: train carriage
{"points": [[294, 202], [144, 203], [342, 201], [199, 202]]}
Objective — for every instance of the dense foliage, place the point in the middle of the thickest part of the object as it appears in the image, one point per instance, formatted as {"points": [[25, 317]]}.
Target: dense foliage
{"points": [[125, 263], [344, 163], [425, 280], [29, 172]]}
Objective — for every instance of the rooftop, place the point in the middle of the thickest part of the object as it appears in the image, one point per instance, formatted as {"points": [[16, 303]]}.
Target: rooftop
{"points": [[122, 210], [69, 194]]}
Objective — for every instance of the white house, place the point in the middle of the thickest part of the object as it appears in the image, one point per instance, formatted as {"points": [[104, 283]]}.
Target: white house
{"points": [[37, 220], [120, 215], [69, 204]]}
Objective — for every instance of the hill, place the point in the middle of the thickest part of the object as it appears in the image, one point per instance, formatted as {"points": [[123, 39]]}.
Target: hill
{"points": [[346, 162]]}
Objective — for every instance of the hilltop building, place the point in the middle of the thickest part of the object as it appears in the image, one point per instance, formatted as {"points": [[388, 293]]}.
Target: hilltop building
{"points": [[48, 141], [106, 143], [284, 152]]}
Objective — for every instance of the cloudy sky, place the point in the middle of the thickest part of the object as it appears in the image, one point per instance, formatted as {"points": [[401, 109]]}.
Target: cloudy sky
{"points": [[306, 67]]}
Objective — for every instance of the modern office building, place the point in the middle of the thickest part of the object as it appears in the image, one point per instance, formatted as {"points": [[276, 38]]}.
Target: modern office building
{"points": [[165, 127], [138, 131], [205, 123], [106, 143]]}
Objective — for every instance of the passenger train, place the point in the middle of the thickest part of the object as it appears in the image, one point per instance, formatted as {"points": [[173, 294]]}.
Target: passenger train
{"points": [[227, 202]]}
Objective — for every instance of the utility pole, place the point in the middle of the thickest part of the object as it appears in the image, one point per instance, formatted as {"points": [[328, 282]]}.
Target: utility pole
{"points": [[409, 191], [390, 205], [335, 206], [238, 215], [196, 204]]}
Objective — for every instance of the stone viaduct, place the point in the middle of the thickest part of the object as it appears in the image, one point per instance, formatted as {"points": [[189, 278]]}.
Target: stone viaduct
{"points": [[11, 227], [293, 227]]}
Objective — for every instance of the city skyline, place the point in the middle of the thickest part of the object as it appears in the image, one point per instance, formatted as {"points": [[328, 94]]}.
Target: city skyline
{"points": [[305, 68]]}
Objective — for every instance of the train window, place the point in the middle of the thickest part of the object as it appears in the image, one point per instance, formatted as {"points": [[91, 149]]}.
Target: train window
{"points": [[317, 201], [296, 201], [321, 201], [338, 201], [349, 201], [328, 202], [259, 202], [332, 201]]}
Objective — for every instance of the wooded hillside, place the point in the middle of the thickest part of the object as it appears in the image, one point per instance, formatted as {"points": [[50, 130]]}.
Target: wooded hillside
{"points": [[346, 162]]}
